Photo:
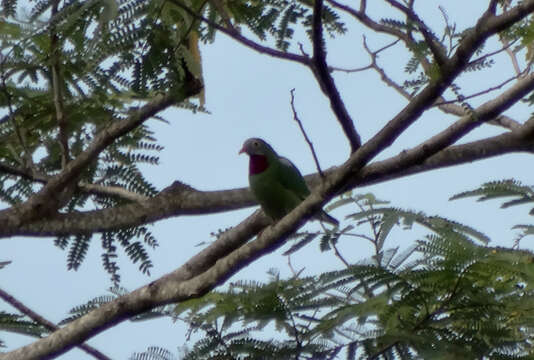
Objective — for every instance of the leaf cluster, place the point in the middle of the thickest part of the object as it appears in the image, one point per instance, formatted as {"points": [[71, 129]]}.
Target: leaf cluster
{"points": [[95, 63], [272, 19], [447, 294]]}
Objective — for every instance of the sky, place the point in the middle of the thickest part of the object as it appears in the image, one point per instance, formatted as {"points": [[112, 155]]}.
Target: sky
{"points": [[247, 95]]}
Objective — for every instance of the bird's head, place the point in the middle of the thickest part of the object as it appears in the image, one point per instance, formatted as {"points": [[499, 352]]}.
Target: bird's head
{"points": [[261, 154], [256, 146]]}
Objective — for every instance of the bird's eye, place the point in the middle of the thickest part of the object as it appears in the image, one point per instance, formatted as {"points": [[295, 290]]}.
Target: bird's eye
{"points": [[256, 143]]}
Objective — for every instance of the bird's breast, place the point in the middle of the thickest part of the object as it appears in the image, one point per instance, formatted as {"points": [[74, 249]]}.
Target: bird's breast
{"points": [[257, 164]]}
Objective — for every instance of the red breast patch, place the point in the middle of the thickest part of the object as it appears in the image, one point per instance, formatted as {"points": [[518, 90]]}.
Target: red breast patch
{"points": [[257, 164]]}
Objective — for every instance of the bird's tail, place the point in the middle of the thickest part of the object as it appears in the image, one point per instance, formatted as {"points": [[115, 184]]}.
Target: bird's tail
{"points": [[324, 217]]}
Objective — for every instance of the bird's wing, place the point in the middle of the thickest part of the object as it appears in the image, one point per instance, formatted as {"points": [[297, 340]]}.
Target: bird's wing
{"points": [[291, 178]]}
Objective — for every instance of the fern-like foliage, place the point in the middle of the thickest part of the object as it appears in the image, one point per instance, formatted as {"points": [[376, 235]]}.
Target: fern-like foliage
{"points": [[20, 324], [422, 65], [459, 293], [519, 193], [112, 56], [509, 188], [106, 59], [154, 353], [114, 292], [447, 295], [276, 18]]}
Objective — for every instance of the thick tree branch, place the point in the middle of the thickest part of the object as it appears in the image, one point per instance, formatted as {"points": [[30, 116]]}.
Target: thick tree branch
{"points": [[176, 200], [486, 26], [511, 142], [325, 80], [180, 199], [161, 291], [50, 197], [10, 299], [208, 269]]}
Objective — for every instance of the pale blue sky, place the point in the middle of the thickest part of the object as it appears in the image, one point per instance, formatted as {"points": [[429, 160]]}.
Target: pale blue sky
{"points": [[248, 95]]}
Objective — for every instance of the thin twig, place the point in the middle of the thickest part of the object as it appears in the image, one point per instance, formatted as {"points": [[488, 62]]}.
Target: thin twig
{"points": [[296, 274], [116, 191], [373, 54], [483, 92], [10, 299], [94, 189], [339, 256], [506, 46], [362, 17], [511, 54], [383, 76], [296, 118]]}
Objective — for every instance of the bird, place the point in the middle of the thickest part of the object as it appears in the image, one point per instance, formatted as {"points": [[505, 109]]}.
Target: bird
{"points": [[275, 181]]}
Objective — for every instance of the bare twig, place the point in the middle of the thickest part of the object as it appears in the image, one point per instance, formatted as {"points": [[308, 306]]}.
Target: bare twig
{"points": [[326, 82], [383, 76], [479, 93], [506, 47], [348, 71], [339, 256], [295, 273], [310, 144], [10, 299], [373, 54]]}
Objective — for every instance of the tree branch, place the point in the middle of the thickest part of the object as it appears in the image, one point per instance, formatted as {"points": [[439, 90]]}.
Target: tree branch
{"points": [[94, 189], [207, 269], [10, 299], [435, 46], [362, 17], [51, 196], [326, 82], [180, 199], [485, 27], [234, 34]]}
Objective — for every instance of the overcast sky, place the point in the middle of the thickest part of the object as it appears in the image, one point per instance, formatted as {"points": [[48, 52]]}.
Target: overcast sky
{"points": [[248, 95]]}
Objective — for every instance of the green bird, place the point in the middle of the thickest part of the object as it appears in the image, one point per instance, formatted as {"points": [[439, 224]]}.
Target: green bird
{"points": [[275, 182]]}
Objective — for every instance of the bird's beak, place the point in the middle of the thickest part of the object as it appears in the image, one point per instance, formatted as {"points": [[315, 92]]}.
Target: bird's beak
{"points": [[242, 151]]}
